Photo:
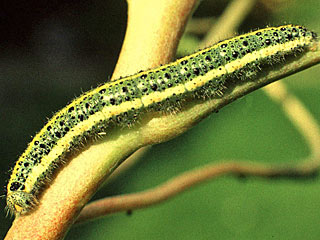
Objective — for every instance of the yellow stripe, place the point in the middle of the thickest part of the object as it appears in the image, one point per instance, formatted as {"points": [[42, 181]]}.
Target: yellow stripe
{"points": [[160, 96], [60, 147], [202, 80], [240, 63]]}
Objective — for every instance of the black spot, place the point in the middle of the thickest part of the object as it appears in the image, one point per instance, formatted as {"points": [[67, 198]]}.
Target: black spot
{"points": [[112, 101], [15, 186], [223, 45], [61, 123], [258, 33], [289, 36], [245, 43], [81, 118], [196, 71], [124, 89], [145, 90], [36, 142], [204, 68], [169, 85], [235, 54], [91, 112], [26, 164], [144, 76], [208, 58], [268, 42], [127, 98], [48, 128], [42, 145], [58, 135], [87, 105], [167, 75], [70, 109], [102, 91], [154, 87]]}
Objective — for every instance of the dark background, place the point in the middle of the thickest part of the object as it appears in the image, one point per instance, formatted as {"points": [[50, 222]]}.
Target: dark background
{"points": [[51, 51]]}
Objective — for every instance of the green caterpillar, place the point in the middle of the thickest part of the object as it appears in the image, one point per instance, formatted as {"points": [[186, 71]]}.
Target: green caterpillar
{"points": [[201, 75]]}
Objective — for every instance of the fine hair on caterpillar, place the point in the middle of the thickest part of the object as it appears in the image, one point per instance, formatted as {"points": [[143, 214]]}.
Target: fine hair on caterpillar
{"points": [[123, 102]]}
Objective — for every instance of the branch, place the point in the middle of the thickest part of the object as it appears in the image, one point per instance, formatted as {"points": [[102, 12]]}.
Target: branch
{"points": [[229, 21], [189, 179], [298, 114]]}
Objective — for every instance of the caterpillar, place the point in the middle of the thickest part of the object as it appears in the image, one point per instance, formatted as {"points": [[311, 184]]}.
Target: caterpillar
{"points": [[122, 102]]}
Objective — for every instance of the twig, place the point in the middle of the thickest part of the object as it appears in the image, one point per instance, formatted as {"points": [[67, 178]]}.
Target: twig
{"points": [[199, 25], [297, 114], [128, 163], [229, 21], [189, 179]]}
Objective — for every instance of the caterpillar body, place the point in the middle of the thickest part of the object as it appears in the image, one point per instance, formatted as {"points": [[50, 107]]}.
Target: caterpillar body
{"points": [[121, 102]]}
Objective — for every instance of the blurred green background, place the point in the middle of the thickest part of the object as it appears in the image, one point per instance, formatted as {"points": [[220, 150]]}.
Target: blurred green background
{"points": [[51, 51]]}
